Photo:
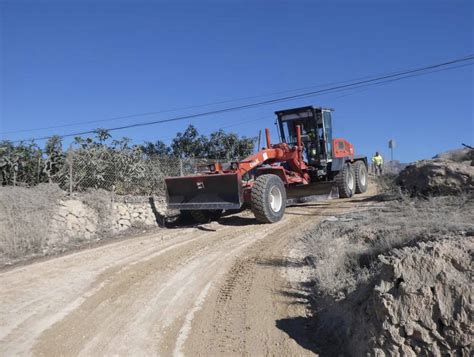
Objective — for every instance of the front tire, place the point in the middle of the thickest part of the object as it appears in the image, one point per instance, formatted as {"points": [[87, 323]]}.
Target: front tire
{"points": [[345, 181], [361, 177], [268, 198]]}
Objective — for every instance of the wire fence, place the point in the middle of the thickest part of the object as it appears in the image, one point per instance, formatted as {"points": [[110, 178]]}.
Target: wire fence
{"points": [[124, 173]]}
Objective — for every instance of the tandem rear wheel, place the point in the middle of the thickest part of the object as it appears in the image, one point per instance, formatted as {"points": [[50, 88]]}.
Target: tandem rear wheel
{"points": [[361, 177], [352, 179], [345, 181]]}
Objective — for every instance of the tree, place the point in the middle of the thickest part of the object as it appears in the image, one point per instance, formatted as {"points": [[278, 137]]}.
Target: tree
{"points": [[158, 148], [229, 146], [116, 164], [245, 147], [219, 145], [189, 143], [20, 163], [54, 156], [6, 150], [102, 134]]}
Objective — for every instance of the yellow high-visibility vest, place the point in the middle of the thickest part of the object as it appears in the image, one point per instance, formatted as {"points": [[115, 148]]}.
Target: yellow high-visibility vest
{"points": [[377, 160]]}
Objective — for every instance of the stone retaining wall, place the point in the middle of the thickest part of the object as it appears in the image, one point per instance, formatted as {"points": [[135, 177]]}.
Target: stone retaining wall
{"points": [[74, 219], [44, 220]]}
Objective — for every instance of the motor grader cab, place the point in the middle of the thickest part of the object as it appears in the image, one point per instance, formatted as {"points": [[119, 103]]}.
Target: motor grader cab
{"points": [[316, 135], [307, 165]]}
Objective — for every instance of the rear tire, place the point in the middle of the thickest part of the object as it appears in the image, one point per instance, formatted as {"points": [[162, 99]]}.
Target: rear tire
{"points": [[345, 181], [361, 177], [268, 198], [205, 216]]}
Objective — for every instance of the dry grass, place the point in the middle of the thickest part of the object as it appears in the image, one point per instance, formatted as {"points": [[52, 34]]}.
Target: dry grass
{"points": [[345, 253], [100, 201], [27, 229], [25, 218]]}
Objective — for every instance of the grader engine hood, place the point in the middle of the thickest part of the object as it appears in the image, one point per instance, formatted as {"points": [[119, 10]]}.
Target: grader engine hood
{"points": [[216, 191]]}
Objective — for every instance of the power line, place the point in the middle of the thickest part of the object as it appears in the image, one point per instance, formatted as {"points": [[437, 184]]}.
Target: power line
{"points": [[248, 106], [132, 116], [248, 121], [354, 85], [367, 86]]}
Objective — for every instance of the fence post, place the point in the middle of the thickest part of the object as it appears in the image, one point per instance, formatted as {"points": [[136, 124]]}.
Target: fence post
{"points": [[70, 163], [38, 172]]}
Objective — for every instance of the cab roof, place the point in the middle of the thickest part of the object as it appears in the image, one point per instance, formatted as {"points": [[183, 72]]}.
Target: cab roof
{"points": [[301, 109]]}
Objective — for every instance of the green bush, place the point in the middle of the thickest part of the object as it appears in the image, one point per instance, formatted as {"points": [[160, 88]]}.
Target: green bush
{"points": [[115, 165]]}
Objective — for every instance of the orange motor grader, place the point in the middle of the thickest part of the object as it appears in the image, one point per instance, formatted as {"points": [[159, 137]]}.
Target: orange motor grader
{"points": [[307, 165]]}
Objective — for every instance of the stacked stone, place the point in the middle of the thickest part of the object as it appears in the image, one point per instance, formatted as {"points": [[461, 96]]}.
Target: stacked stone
{"points": [[73, 219]]}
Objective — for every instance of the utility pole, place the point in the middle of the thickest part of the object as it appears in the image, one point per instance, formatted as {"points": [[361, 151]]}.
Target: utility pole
{"points": [[391, 145]]}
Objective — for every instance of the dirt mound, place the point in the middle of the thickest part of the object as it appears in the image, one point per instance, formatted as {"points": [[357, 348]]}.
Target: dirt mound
{"points": [[395, 279], [464, 155], [421, 303], [437, 177]]}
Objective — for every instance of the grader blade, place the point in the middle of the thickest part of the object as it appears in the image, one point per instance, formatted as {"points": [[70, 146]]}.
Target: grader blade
{"points": [[318, 191], [204, 192]]}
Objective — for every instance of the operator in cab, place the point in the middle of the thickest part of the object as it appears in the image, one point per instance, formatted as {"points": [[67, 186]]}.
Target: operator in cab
{"points": [[309, 142], [377, 162]]}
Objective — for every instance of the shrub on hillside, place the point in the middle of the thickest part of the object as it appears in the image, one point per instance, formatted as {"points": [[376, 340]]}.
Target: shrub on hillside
{"points": [[25, 217]]}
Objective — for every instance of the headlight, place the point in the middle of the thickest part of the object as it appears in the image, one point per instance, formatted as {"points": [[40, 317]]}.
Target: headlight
{"points": [[234, 166]]}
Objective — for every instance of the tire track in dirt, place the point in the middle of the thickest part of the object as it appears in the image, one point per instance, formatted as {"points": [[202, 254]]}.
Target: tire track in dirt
{"points": [[41, 294], [240, 318], [142, 295], [208, 290], [235, 309]]}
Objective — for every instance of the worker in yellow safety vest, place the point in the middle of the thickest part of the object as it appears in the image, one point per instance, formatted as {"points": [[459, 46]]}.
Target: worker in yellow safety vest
{"points": [[377, 162]]}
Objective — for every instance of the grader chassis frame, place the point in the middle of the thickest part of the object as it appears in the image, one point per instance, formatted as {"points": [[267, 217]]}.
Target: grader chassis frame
{"points": [[306, 165]]}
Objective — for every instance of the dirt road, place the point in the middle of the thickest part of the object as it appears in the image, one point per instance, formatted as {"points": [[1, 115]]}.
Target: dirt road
{"points": [[224, 288]]}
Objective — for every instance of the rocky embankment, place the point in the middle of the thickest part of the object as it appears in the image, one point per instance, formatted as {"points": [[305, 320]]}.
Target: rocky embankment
{"points": [[421, 302], [401, 283], [43, 220], [74, 219], [437, 177]]}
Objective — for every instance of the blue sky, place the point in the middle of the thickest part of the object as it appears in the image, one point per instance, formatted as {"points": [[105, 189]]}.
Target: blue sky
{"points": [[71, 61]]}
